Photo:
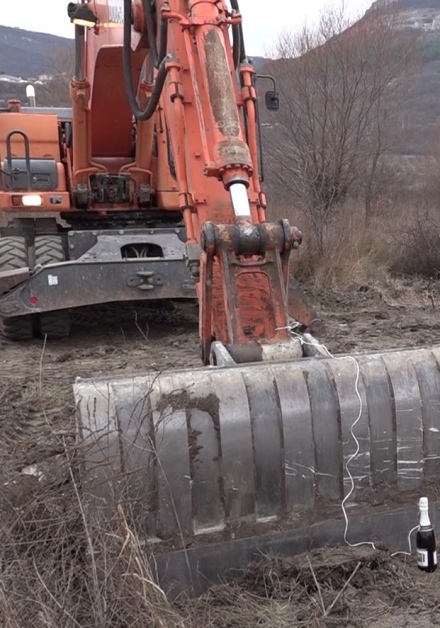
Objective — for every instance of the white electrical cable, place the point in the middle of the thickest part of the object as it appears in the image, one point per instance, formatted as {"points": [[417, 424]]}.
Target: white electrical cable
{"points": [[409, 543], [355, 453]]}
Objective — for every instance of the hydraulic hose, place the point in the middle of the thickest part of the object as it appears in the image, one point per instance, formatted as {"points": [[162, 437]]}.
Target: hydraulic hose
{"points": [[163, 44], [140, 114], [151, 31], [238, 44], [156, 57]]}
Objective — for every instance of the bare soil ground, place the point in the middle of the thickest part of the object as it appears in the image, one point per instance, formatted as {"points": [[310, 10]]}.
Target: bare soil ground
{"points": [[343, 587]]}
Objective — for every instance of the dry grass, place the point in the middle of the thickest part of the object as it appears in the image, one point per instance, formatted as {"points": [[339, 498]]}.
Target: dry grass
{"points": [[404, 240], [57, 569], [330, 587], [418, 243]]}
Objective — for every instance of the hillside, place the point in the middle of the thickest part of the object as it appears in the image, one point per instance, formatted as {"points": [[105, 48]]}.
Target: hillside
{"points": [[421, 111], [419, 114], [27, 54]]}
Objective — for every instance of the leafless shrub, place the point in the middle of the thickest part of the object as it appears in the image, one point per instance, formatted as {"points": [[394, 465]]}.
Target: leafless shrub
{"points": [[419, 244], [55, 91], [353, 254]]}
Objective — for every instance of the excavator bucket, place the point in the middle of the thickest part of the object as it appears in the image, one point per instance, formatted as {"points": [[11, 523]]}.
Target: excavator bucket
{"points": [[219, 464]]}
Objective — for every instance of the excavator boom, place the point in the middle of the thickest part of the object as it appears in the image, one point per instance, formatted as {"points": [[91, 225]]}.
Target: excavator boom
{"points": [[204, 92]]}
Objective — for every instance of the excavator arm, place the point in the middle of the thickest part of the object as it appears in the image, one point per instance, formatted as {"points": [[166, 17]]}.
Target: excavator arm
{"points": [[192, 95], [214, 466]]}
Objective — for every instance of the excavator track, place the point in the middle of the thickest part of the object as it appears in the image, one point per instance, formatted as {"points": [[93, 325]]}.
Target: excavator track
{"points": [[202, 456]]}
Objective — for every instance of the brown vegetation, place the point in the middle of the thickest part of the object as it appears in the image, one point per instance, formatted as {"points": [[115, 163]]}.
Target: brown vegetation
{"points": [[341, 90]]}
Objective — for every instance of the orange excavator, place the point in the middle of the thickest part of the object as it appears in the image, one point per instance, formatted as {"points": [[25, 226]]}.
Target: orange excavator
{"points": [[128, 193], [150, 187]]}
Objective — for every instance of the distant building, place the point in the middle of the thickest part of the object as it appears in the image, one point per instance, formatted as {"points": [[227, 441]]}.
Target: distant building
{"points": [[5, 78]]}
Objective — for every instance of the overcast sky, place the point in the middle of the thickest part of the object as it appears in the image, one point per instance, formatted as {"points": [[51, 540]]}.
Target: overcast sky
{"points": [[263, 19]]}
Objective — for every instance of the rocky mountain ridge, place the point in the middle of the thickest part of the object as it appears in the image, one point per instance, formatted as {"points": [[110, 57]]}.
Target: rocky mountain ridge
{"points": [[422, 15], [422, 107]]}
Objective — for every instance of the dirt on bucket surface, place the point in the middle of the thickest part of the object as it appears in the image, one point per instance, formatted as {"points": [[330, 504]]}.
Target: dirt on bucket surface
{"points": [[331, 587]]}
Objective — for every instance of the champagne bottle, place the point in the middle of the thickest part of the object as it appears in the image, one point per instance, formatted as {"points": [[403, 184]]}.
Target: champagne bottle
{"points": [[425, 540]]}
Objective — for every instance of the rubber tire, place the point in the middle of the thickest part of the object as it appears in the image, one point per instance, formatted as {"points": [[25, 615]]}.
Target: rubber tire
{"points": [[13, 255], [55, 324], [50, 250], [17, 327]]}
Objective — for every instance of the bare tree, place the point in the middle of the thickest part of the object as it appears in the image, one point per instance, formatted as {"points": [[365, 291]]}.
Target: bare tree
{"points": [[339, 86], [55, 90]]}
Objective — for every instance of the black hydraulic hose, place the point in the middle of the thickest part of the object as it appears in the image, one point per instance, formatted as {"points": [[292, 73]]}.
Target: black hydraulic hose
{"points": [[241, 48], [149, 110], [151, 31], [236, 44], [163, 45]]}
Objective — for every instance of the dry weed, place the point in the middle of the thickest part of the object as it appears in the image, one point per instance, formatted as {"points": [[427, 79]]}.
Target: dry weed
{"points": [[60, 570], [354, 253], [418, 241], [403, 241]]}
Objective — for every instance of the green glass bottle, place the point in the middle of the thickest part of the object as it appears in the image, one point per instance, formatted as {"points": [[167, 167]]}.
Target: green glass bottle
{"points": [[425, 540]]}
